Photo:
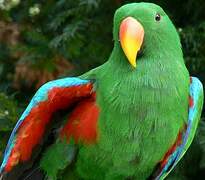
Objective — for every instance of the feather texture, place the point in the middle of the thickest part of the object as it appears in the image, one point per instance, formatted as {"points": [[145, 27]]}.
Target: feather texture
{"points": [[29, 130], [82, 122], [81, 127], [195, 107]]}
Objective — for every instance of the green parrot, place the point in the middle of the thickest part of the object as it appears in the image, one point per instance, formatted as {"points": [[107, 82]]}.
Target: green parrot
{"points": [[133, 117]]}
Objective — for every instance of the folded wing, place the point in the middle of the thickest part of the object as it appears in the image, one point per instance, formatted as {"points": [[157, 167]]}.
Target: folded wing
{"points": [[30, 128], [186, 136]]}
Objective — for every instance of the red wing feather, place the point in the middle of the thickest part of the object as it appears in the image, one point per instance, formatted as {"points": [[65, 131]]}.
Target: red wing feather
{"points": [[33, 127], [82, 122]]}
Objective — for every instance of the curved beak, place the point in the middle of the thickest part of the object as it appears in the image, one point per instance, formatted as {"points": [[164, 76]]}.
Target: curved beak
{"points": [[131, 36]]}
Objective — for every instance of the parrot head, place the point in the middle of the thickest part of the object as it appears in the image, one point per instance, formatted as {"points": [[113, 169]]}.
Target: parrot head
{"points": [[144, 29]]}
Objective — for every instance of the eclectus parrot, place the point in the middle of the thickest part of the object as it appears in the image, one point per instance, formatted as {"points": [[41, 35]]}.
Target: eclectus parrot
{"points": [[133, 117]]}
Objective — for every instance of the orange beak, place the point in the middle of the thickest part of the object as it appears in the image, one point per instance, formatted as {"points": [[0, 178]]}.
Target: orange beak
{"points": [[131, 38]]}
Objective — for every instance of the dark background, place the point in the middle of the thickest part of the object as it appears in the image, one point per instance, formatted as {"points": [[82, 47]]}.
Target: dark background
{"points": [[47, 39]]}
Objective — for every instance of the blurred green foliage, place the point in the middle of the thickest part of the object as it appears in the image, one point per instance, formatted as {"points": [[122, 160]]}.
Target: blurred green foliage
{"points": [[36, 33], [8, 115]]}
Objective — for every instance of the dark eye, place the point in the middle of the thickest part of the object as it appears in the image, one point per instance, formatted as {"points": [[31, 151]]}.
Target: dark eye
{"points": [[157, 17]]}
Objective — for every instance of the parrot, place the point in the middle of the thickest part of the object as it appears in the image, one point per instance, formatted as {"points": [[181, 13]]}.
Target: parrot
{"points": [[133, 117]]}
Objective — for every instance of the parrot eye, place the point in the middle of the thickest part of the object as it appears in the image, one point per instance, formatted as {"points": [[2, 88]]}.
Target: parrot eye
{"points": [[157, 17]]}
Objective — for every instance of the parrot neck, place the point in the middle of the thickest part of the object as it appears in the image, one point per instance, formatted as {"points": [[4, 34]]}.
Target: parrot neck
{"points": [[123, 86]]}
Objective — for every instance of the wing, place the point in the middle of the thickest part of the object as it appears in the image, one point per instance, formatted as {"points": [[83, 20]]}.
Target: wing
{"points": [[30, 128], [81, 127], [195, 108]]}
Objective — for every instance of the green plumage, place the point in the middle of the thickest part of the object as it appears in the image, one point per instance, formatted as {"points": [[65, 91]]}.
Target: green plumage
{"points": [[56, 158], [142, 110]]}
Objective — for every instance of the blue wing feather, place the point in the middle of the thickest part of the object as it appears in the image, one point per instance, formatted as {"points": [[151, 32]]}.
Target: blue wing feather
{"points": [[196, 93], [41, 95]]}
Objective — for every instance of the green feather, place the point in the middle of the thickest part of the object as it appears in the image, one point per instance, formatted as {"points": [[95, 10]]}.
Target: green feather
{"points": [[57, 157], [142, 110]]}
